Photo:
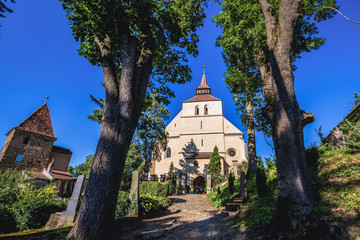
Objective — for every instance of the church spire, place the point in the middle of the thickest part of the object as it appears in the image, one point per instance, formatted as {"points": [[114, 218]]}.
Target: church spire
{"points": [[203, 88]]}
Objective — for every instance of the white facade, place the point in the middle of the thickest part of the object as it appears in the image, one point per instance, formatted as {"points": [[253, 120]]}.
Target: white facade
{"points": [[193, 134]]}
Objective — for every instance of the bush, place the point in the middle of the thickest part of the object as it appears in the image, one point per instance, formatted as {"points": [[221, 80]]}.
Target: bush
{"points": [[154, 189], [149, 205], [222, 195], [35, 206], [7, 222], [8, 195], [34, 213], [123, 204]]}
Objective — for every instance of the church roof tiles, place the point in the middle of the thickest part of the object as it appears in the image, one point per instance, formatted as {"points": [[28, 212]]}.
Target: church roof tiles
{"points": [[39, 122]]}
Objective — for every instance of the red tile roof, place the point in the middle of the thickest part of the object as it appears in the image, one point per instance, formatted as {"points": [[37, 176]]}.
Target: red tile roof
{"points": [[203, 97], [39, 122], [63, 175]]}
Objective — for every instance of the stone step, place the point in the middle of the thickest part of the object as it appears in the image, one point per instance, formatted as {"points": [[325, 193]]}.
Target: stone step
{"points": [[233, 207]]}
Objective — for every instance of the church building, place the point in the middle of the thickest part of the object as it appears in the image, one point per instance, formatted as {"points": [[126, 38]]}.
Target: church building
{"points": [[193, 134]]}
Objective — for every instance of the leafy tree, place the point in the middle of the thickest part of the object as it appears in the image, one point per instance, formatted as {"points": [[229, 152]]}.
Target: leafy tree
{"points": [[138, 44], [4, 8], [83, 168], [273, 34], [215, 166]]}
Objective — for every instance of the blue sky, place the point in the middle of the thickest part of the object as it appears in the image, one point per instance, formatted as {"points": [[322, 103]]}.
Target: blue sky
{"points": [[38, 58]]}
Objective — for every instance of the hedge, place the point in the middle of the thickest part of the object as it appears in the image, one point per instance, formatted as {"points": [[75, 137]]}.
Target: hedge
{"points": [[154, 188]]}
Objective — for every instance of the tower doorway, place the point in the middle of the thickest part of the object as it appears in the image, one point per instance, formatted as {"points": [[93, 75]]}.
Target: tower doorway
{"points": [[199, 184]]}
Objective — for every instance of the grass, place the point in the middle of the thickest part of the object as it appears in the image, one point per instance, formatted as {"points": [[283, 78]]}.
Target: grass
{"points": [[339, 184]]}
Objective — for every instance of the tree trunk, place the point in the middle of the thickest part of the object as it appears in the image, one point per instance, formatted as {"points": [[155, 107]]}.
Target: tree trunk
{"points": [[251, 137], [122, 110], [295, 197]]}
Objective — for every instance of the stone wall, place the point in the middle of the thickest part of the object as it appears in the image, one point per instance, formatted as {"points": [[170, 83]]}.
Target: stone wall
{"points": [[36, 152]]}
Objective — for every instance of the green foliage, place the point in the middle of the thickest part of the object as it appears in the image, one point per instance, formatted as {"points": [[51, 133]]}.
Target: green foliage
{"points": [[123, 204], [157, 189], [12, 178], [321, 210], [264, 183], [338, 181], [214, 166], [171, 179], [23, 206], [7, 222], [258, 213], [83, 168], [261, 187], [9, 195], [351, 132], [149, 205], [223, 195], [35, 206], [231, 179]]}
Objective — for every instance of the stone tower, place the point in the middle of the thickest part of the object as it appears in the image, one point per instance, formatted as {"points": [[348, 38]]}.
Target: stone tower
{"points": [[29, 145]]}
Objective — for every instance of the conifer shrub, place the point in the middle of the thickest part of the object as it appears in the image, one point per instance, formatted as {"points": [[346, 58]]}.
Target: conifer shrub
{"points": [[231, 179]]}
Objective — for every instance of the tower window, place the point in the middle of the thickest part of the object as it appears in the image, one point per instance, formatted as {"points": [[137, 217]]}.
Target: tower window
{"points": [[197, 110], [206, 110], [19, 157], [202, 142], [26, 140], [168, 153], [200, 124]]}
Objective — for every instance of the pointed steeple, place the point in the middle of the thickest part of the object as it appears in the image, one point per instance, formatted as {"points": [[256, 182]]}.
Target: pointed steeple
{"points": [[203, 88], [39, 122]]}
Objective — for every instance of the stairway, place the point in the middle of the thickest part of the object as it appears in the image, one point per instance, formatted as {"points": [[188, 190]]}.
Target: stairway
{"points": [[232, 208]]}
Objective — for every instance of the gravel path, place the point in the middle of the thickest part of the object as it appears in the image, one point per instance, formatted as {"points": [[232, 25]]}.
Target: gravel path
{"points": [[190, 216]]}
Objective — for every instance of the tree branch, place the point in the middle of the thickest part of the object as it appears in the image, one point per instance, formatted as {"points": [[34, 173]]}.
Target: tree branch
{"points": [[341, 14]]}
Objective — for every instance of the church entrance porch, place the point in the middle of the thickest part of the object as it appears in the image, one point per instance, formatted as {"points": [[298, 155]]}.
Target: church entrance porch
{"points": [[199, 185]]}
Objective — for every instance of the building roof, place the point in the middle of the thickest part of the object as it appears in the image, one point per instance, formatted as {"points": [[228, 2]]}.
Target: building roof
{"points": [[63, 175], [60, 150], [38, 122], [203, 84], [203, 92], [203, 97]]}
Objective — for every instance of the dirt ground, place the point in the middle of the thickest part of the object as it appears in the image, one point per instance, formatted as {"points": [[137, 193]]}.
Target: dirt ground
{"points": [[190, 216]]}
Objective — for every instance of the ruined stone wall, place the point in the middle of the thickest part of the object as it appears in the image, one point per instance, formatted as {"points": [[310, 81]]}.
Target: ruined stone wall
{"points": [[36, 152]]}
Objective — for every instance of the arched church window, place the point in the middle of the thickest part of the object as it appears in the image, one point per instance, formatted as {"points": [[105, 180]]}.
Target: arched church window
{"points": [[168, 153], [206, 109], [197, 110]]}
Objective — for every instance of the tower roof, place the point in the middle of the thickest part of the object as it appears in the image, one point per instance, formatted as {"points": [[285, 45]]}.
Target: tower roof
{"points": [[38, 122], [203, 88]]}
